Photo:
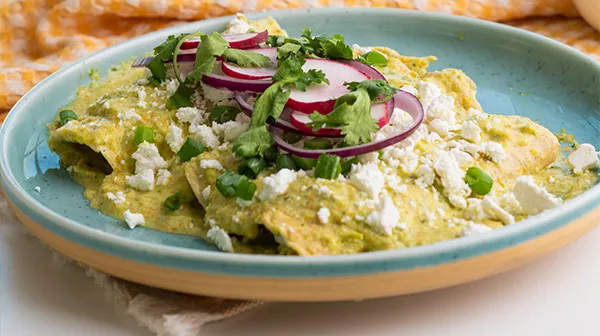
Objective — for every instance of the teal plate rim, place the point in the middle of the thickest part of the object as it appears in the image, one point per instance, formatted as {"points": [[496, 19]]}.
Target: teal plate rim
{"points": [[295, 266]]}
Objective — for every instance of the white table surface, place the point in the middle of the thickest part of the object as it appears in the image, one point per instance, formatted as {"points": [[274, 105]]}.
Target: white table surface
{"points": [[557, 295]]}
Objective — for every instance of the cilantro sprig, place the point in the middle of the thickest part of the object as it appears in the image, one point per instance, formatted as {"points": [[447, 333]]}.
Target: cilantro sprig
{"points": [[352, 111], [323, 46], [373, 58], [210, 47], [270, 104]]}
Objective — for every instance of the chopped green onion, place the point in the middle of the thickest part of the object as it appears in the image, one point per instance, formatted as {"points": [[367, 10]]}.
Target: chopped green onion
{"points": [[174, 201], [291, 137], [318, 143], [271, 154], [347, 164], [251, 167], [231, 184], [285, 161], [191, 148], [66, 116], [328, 167], [143, 133], [304, 163], [223, 114], [480, 182]]}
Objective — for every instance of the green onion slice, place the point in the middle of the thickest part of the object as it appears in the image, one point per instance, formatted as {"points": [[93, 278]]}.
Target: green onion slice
{"points": [[174, 201], [328, 167], [191, 148], [66, 116], [285, 161], [480, 182], [231, 184], [251, 167], [143, 134]]}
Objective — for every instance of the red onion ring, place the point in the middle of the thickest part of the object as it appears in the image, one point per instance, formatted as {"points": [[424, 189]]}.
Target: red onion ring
{"points": [[368, 70], [402, 100], [282, 123]]}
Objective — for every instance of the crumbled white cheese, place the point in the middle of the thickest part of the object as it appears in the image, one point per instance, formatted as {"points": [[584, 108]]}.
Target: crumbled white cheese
{"points": [[439, 126], [493, 151], [425, 176], [133, 219], [218, 96], [385, 218], [427, 93], [323, 215], [442, 108], [395, 183], [471, 131], [220, 238], [474, 209], [452, 178], [143, 180], [237, 26], [118, 197], [37, 189], [494, 211], [243, 203], [360, 50], [205, 135], [367, 178], [147, 157], [186, 114], [174, 138], [214, 164], [410, 89], [206, 193], [172, 86], [472, 229], [230, 130], [162, 177], [509, 203], [129, 114], [584, 157], [277, 184], [323, 190], [461, 157], [408, 160], [532, 198]]}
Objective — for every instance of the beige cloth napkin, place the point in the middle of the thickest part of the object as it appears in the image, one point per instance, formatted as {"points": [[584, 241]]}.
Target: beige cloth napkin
{"points": [[163, 312]]}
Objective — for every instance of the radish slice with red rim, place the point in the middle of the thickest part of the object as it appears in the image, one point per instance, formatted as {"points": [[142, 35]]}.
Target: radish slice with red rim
{"points": [[233, 70], [379, 112], [237, 41], [402, 100], [283, 122], [321, 97], [219, 80]]}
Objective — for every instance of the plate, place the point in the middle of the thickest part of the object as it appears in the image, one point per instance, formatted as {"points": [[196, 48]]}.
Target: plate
{"points": [[517, 73]]}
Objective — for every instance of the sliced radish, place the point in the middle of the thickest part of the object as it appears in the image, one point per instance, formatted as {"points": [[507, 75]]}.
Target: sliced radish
{"points": [[379, 112], [237, 41], [321, 97], [253, 73], [366, 69]]}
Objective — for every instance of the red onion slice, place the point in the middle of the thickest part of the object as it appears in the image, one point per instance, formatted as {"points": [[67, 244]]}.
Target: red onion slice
{"points": [[402, 100], [368, 70], [283, 123], [237, 41]]}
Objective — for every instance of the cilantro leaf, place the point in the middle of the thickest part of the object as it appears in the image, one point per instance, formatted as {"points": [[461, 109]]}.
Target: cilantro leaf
{"points": [[276, 40], [269, 105], [181, 98], [379, 90], [352, 112], [289, 68], [210, 46], [310, 77], [224, 113], [246, 59], [254, 142], [373, 58], [163, 53], [286, 49], [202, 69], [336, 48]]}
